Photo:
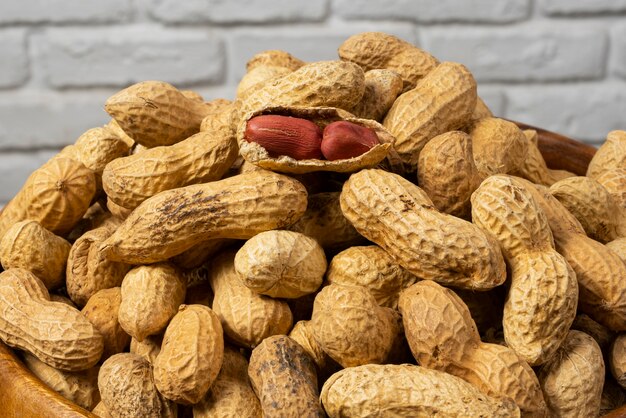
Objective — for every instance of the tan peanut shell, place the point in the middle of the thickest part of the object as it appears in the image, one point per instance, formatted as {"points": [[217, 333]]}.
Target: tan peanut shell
{"points": [[247, 317], [373, 50], [257, 77], [231, 394], [603, 336], [617, 360], [442, 101], [149, 348], [614, 181], [151, 296], [62, 299], [281, 264], [447, 173], [611, 155], [534, 167], [96, 216], [443, 336], [302, 333], [321, 116], [593, 206], [116, 210], [382, 87], [371, 267], [88, 271], [618, 247], [127, 389], [498, 146], [199, 254], [323, 83], [572, 381], [102, 310], [155, 113], [30, 246], [481, 110], [97, 147], [191, 355], [274, 58], [174, 221], [350, 326], [280, 362], [119, 132], [56, 195], [324, 221], [193, 95], [602, 292], [201, 158], [399, 217], [79, 387], [407, 390], [541, 279], [55, 333]]}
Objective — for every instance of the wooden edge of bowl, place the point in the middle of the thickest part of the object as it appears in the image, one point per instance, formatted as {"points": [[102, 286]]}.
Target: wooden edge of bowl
{"points": [[22, 395]]}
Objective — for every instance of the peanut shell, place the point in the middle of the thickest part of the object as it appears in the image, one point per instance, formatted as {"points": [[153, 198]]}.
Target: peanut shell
{"points": [[382, 87], [102, 311]]}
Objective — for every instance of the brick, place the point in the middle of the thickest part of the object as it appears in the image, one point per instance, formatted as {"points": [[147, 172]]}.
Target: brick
{"points": [[586, 111], [14, 69], [15, 167], [429, 11], [618, 48], [64, 11], [38, 119], [120, 56], [535, 52], [309, 44], [246, 11], [581, 7]]}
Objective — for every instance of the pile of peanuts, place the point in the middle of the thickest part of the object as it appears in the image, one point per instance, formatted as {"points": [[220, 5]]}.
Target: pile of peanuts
{"points": [[348, 238]]}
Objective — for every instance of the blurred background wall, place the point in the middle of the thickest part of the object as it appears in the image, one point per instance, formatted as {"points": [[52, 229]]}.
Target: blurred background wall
{"points": [[559, 64]]}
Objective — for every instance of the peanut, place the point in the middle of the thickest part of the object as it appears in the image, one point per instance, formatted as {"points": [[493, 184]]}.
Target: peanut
{"points": [[398, 216], [56, 195], [611, 155], [614, 181], [443, 336], [237, 207], [200, 158], [447, 172], [199, 254], [281, 264], [102, 311], [371, 267], [280, 362], [322, 117], [127, 389], [343, 140], [442, 101], [502, 206], [498, 146], [274, 58], [155, 113], [78, 387], [407, 390], [572, 381], [350, 327], [231, 394], [600, 216], [247, 318], [382, 87], [191, 355], [302, 333], [151, 296], [618, 247], [284, 135], [373, 50], [534, 167], [30, 246], [88, 271], [617, 360], [149, 348], [603, 336], [55, 333]]}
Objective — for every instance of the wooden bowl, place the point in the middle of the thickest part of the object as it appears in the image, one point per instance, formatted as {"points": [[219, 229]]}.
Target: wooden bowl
{"points": [[23, 395]]}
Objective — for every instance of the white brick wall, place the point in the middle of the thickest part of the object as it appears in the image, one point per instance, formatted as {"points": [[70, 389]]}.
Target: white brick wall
{"points": [[560, 64]]}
